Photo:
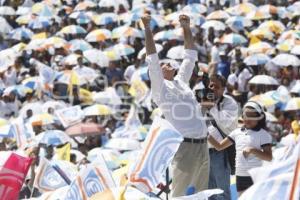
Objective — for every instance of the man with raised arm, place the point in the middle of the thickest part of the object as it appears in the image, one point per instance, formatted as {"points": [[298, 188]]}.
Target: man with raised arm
{"points": [[177, 102]]}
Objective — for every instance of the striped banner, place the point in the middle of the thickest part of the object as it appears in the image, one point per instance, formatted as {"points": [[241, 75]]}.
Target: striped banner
{"points": [[279, 182], [69, 116], [161, 144], [12, 176], [276, 188], [48, 177], [284, 166], [90, 181], [295, 187]]}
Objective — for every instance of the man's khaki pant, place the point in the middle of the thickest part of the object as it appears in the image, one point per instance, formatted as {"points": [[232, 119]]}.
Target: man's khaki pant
{"points": [[190, 168]]}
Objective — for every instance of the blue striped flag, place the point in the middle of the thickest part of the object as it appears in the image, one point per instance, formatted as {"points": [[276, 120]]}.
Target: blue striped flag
{"points": [[279, 182], [90, 181], [160, 146]]}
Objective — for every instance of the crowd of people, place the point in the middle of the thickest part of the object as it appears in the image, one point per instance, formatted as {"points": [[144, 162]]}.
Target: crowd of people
{"points": [[224, 73]]}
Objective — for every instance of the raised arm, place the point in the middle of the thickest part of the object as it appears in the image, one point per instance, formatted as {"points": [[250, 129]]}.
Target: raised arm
{"points": [[190, 54], [150, 45], [155, 72]]}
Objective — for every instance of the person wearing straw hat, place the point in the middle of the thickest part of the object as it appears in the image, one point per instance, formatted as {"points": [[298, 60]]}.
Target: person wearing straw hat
{"points": [[178, 104]]}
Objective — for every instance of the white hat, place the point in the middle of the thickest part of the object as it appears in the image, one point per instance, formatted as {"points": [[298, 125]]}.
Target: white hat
{"points": [[216, 40], [254, 105], [173, 63]]}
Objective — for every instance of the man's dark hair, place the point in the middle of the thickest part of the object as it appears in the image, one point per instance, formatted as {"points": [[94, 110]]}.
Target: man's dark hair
{"points": [[220, 78]]}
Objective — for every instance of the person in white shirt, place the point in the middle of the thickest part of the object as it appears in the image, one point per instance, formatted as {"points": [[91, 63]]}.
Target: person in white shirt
{"points": [[252, 142], [223, 114], [178, 104]]}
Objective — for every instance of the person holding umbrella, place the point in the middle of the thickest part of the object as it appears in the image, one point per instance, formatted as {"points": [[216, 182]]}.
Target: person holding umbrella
{"points": [[178, 104]]}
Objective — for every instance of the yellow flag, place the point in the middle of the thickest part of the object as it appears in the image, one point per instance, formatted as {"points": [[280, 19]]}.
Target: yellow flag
{"points": [[122, 193], [138, 89], [39, 36], [254, 40], [63, 153]]}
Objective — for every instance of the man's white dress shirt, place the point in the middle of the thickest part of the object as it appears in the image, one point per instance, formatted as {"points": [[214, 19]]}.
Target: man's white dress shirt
{"points": [[176, 99]]}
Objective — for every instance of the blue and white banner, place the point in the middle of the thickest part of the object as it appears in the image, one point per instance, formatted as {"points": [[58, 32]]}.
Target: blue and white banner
{"points": [[48, 179], [131, 128], [277, 188], [276, 182], [160, 146], [90, 181], [262, 173], [69, 116]]}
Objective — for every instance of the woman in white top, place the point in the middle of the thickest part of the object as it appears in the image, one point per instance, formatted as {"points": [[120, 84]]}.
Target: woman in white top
{"points": [[252, 142]]}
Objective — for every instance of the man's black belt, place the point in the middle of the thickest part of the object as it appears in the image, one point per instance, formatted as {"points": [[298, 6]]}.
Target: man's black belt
{"points": [[192, 140]]}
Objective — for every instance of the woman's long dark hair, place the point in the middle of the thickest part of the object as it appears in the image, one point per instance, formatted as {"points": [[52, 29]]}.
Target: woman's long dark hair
{"points": [[261, 124]]}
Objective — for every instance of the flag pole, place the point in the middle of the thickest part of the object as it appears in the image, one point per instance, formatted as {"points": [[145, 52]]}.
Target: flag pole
{"points": [[167, 184]]}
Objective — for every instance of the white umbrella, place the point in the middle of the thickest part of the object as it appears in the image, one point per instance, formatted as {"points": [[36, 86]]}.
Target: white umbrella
{"points": [[296, 88], [5, 26], [270, 117], [293, 104], [23, 10], [7, 10], [96, 56], [217, 25], [110, 156], [56, 105], [159, 47], [285, 60], [53, 137], [257, 59], [71, 59], [263, 80], [296, 50], [36, 108], [176, 52], [113, 3], [123, 144]]}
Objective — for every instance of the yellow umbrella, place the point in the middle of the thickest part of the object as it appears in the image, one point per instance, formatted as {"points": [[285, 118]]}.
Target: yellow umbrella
{"points": [[112, 55], [39, 36], [218, 15], [56, 42], [272, 25], [24, 19], [262, 33], [19, 47], [284, 47], [258, 15], [270, 9], [259, 47], [42, 9], [42, 119], [264, 100], [97, 109], [3, 122], [241, 9]]}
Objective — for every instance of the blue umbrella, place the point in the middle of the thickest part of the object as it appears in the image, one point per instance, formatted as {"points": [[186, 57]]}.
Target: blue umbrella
{"points": [[257, 59], [81, 17], [53, 137], [39, 23], [21, 33], [105, 18], [238, 22], [79, 44]]}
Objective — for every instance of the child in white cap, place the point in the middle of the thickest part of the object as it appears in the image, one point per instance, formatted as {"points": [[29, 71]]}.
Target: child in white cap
{"points": [[252, 142]]}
